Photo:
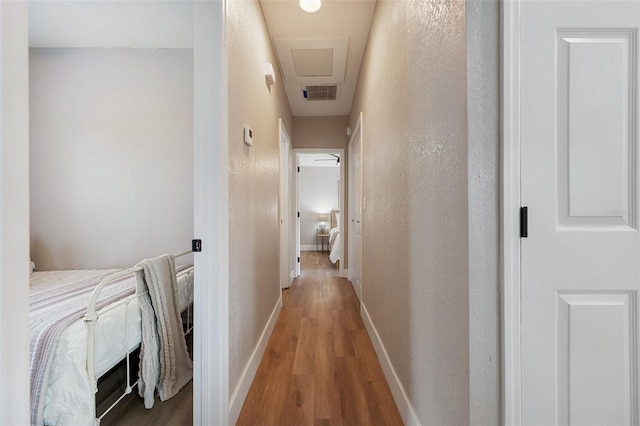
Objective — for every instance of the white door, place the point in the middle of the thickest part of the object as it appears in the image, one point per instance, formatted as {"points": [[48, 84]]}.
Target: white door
{"points": [[297, 216], [579, 169], [355, 210], [285, 253]]}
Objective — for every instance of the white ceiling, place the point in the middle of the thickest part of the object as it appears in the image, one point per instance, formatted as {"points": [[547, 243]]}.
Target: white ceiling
{"points": [[291, 28], [109, 23]]}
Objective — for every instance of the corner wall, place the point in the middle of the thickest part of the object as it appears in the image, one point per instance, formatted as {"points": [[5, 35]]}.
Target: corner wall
{"points": [[254, 256], [412, 92], [483, 90]]}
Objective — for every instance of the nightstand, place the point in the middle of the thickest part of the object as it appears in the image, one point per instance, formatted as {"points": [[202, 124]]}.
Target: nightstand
{"points": [[322, 235]]}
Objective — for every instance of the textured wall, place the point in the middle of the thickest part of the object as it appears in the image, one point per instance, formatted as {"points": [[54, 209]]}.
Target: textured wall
{"points": [[412, 91], [320, 132], [111, 155], [253, 182], [483, 79]]}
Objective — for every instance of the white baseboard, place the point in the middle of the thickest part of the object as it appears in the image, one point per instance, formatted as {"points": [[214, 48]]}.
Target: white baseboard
{"points": [[344, 273], [242, 389], [405, 407], [311, 247]]}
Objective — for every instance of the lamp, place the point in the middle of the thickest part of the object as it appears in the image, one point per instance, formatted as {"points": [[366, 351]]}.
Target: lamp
{"points": [[322, 218], [310, 5]]}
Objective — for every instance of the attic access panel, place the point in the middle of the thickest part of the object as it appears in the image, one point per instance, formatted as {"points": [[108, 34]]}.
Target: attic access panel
{"points": [[313, 61]]}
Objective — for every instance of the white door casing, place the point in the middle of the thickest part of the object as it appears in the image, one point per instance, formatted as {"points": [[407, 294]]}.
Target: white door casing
{"points": [[285, 228], [297, 192], [296, 153], [355, 208], [211, 215], [571, 115]]}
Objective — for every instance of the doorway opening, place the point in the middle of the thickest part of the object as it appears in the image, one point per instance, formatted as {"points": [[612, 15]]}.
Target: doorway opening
{"points": [[319, 201]]}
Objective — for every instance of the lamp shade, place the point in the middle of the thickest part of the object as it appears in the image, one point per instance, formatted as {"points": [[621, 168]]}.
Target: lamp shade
{"points": [[323, 218]]}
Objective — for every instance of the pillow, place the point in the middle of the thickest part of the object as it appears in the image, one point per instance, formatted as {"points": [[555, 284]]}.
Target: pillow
{"points": [[33, 266], [337, 220]]}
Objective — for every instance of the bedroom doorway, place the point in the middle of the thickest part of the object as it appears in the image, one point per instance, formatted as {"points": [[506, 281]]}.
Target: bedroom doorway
{"points": [[319, 197]]}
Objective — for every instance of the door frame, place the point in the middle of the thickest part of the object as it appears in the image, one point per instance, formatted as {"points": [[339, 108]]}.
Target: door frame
{"points": [[14, 213], [337, 151], [284, 195], [211, 395], [211, 214], [510, 215], [357, 132]]}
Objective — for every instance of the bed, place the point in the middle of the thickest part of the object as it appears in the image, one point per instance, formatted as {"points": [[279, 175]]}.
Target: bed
{"points": [[334, 238], [64, 364]]}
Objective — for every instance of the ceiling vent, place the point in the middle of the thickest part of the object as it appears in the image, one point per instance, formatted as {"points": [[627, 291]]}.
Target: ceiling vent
{"points": [[327, 92]]}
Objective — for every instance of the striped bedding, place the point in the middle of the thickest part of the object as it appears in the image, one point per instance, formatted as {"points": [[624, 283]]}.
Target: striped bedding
{"points": [[60, 391]]}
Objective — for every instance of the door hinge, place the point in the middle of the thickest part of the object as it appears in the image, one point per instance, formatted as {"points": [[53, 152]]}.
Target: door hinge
{"points": [[298, 214], [196, 245], [298, 169], [524, 222], [298, 259]]}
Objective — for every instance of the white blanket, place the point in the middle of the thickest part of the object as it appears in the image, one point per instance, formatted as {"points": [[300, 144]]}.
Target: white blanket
{"points": [[334, 239], [164, 359], [68, 398]]}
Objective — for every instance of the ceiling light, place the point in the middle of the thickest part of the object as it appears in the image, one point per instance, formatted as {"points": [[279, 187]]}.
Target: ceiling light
{"points": [[310, 5]]}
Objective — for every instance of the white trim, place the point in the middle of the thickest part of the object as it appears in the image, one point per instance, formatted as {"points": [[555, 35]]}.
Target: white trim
{"points": [[248, 374], [14, 213], [407, 412], [510, 247], [357, 132], [308, 247], [283, 204], [211, 215]]}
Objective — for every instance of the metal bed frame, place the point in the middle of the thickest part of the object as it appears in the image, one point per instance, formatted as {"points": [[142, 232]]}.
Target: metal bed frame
{"points": [[91, 318]]}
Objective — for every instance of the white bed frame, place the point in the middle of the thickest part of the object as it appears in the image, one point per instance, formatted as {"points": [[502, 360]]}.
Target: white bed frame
{"points": [[91, 318]]}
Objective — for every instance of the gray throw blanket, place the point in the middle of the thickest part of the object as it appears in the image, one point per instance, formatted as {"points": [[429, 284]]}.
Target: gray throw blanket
{"points": [[164, 360]]}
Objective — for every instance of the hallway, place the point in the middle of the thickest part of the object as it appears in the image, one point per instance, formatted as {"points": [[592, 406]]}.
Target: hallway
{"points": [[319, 366]]}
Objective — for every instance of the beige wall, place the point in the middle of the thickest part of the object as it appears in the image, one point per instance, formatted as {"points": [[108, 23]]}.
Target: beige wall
{"points": [[412, 92], [253, 182], [320, 132], [111, 147]]}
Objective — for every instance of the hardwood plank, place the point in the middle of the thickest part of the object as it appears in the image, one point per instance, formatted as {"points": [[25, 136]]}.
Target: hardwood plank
{"points": [[131, 412], [306, 350], [300, 400], [327, 397], [353, 402], [341, 338]]}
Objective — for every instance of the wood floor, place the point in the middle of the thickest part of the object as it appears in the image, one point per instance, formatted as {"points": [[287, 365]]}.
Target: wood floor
{"points": [[319, 367]]}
